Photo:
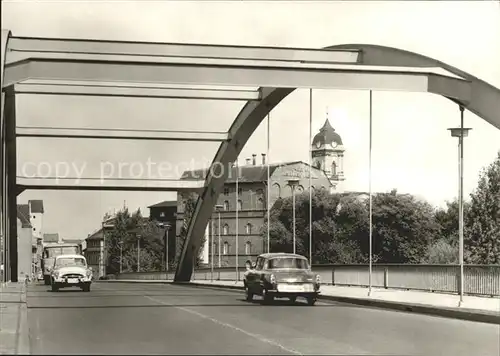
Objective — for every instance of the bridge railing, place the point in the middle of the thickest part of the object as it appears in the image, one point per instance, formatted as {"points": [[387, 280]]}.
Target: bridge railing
{"points": [[478, 279]]}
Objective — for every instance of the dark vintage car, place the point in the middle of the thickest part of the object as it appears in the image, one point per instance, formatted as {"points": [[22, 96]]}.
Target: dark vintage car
{"points": [[281, 275]]}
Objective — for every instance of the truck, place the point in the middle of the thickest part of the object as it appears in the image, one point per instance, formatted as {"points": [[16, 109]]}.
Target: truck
{"points": [[50, 251]]}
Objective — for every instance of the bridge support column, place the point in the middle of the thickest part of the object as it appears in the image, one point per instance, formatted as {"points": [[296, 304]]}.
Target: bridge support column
{"points": [[208, 199], [4, 241], [10, 182]]}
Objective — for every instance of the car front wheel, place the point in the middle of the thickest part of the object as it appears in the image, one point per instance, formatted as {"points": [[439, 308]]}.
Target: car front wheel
{"points": [[311, 301], [248, 294], [268, 299]]}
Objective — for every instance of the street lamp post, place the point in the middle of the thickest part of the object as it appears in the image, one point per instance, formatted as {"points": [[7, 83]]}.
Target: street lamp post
{"points": [[212, 250], [138, 253], [167, 227], [293, 183], [218, 208], [120, 245], [461, 132]]}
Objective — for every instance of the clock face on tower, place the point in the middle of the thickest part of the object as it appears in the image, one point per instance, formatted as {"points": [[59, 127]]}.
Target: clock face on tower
{"points": [[333, 144], [318, 144]]}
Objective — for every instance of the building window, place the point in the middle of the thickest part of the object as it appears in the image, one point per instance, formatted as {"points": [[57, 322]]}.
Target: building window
{"points": [[300, 189], [225, 229], [334, 168], [240, 191], [260, 204], [226, 205], [34, 229], [276, 190], [34, 216], [248, 249], [226, 191], [225, 248], [318, 165], [248, 229], [240, 205], [162, 214]]}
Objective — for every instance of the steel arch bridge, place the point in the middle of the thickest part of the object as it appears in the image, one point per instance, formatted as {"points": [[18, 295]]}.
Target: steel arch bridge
{"points": [[74, 67]]}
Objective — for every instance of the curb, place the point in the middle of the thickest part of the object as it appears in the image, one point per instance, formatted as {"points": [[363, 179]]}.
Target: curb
{"points": [[465, 314]]}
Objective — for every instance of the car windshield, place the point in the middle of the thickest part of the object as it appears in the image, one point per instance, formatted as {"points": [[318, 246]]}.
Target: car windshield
{"points": [[70, 261], [288, 262]]}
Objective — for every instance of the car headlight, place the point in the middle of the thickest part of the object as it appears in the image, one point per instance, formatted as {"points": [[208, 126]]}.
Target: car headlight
{"points": [[272, 279], [318, 279]]}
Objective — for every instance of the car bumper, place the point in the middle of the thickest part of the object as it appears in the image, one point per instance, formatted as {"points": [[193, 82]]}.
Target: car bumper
{"points": [[70, 281], [291, 290]]}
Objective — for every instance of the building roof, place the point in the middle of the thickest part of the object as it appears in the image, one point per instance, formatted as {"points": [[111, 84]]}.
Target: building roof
{"points": [[248, 174], [96, 235], [51, 237], [23, 214], [36, 206], [327, 135], [164, 204]]}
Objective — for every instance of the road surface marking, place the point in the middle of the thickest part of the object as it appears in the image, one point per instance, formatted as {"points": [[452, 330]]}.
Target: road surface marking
{"points": [[255, 336]]}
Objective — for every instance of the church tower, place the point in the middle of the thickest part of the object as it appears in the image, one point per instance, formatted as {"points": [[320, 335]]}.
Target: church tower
{"points": [[328, 154]]}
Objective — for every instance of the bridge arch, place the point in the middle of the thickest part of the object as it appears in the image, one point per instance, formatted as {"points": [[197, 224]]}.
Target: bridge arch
{"points": [[483, 102]]}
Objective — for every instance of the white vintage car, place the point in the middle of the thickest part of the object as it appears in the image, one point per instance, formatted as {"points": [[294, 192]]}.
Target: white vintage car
{"points": [[70, 271]]}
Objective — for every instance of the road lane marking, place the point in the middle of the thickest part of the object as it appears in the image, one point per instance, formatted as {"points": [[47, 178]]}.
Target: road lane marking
{"points": [[255, 336]]}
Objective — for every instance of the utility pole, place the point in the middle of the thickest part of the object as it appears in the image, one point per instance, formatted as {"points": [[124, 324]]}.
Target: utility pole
{"points": [[138, 253]]}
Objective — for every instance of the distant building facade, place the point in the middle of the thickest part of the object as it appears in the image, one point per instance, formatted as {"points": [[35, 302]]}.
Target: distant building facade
{"points": [[30, 244], [26, 244], [37, 211], [95, 251]]}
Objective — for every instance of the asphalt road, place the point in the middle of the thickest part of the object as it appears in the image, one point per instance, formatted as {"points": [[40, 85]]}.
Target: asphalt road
{"points": [[119, 318]]}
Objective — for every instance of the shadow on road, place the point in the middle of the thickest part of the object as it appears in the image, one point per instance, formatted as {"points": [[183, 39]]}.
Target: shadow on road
{"points": [[256, 304]]}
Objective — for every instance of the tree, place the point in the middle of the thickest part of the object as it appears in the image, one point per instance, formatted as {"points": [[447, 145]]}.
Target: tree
{"points": [[332, 241], [118, 237], [482, 241], [403, 228], [447, 218], [189, 201], [441, 252], [122, 239]]}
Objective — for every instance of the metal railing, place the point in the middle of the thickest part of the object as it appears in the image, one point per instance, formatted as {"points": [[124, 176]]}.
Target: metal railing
{"points": [[478, 279]]}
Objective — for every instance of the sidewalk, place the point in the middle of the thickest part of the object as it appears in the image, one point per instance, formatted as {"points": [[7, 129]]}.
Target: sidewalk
{"points": [[14, 330], [482, 309]]}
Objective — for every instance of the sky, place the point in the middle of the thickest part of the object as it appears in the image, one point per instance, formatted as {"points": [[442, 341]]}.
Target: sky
{"points": [[412, 148]]}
